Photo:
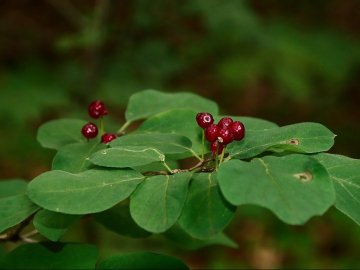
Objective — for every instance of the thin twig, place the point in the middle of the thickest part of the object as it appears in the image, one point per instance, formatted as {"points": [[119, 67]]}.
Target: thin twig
{"points": [[13, 234]]}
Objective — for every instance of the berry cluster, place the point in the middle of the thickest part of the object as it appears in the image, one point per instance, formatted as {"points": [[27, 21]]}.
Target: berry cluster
{"points": [[222, 133], [96, 110]]}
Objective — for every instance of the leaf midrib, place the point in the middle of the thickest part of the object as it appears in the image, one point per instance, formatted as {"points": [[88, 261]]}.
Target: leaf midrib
{"points": [[92, 187]]}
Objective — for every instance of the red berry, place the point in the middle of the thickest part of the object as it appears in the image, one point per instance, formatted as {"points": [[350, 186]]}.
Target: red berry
{"points": [[97, 109], [216, 145], [225, 122], [108, 137], [238, 129], [89, 131], [204, 119], [212, 132], [225, 136]]}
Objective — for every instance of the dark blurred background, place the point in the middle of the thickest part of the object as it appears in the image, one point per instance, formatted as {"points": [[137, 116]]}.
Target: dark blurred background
{"points": [[285, 61]]}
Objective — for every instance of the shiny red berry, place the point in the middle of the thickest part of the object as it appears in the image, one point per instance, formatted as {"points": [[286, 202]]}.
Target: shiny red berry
{"points": [[97, 109], [89, 131], [216, 145], [225, 122], [225, 136], [212, 132], [108, 137], [204, 119], [238, 129]]}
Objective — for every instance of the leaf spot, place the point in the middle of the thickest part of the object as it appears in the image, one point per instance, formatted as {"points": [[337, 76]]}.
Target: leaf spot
{"points": [[104, 152], [293, 141], [57, 209], [303, 177]]}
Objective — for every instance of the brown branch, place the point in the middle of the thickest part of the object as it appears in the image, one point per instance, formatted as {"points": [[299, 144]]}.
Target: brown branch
{"points": [[13, 234]]}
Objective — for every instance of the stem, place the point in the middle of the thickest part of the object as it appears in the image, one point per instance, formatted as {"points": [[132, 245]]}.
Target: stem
{"points": [[102, 125], [222, 155], [217, 157], [167, 167], [123, 127], [203, 144], [196, 155]]}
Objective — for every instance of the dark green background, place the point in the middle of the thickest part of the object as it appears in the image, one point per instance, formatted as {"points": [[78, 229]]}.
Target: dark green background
{"points": [[285, 61]]}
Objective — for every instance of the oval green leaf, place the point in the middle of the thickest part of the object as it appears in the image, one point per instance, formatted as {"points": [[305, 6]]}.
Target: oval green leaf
{"points": [[55, 256], [179, 121], [141, 260], [294, 187], [205, 213], [301, 137], [86, 192], [182, 239], [119, 220], [345, 174], [75, 157], [127, 156], [14, 203], [53, 225], [157, 203], [166, 143], [57, 133], [150, 102]]}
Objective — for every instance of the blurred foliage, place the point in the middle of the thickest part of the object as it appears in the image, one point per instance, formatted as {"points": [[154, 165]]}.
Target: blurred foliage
{"points": [[279, 60]]}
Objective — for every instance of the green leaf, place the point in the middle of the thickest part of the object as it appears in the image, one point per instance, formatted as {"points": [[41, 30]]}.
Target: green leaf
{"points": [[206, 213], [182, 239], [166, 143], [86, 192], [156, 166], [59, 256], [119, 220], [301, 137], [150, 102], [57, 133], [345, 174], [141, 260], [178, 121], [75, 157], [127, 156], [157, 203], [295, 187], [53, 225], [14, 204]]}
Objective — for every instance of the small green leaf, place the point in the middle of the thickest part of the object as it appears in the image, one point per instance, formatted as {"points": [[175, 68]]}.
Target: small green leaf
{"points": [[301, 137], [59, 256], [57, 133], [127, 156], [75, 157], [14, 204], [345, 174], [177, 235], [141, 260], [150, 102], [166, 143], [205, 213], [295, 187], [53, 225], [119, 220], [178, 121], [157, 203], [86, 192]]}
